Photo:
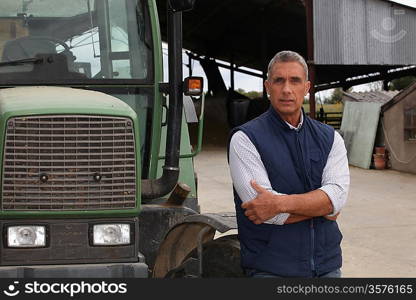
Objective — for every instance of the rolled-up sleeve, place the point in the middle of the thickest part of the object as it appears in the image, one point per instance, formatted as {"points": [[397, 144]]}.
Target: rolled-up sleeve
{"points": [[246, 165], [336, 175]]}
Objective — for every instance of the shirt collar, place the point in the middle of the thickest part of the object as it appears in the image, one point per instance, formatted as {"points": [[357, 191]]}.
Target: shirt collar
{"points": [[299, 125]]}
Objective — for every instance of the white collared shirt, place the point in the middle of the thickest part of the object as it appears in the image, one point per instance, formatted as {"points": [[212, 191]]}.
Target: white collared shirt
{"points": [[246, 165]]}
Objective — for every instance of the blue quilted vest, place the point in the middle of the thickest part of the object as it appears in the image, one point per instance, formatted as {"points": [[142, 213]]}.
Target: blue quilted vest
{"points": [[294, 161]]}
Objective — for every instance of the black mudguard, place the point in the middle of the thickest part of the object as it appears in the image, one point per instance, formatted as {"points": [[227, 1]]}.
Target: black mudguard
{"points": [[181, 246]]}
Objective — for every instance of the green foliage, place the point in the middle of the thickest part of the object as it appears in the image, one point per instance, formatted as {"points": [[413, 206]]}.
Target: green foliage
{"points": [[254, 94], [336, 96], [250, 94], [401, 83]]}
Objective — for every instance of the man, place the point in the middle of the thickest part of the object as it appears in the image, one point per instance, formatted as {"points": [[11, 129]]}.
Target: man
{"points": [[290, 176]]}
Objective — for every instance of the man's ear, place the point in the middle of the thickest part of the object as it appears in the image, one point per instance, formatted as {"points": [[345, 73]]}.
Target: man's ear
{"points": [[307, 87], [267, 86]]}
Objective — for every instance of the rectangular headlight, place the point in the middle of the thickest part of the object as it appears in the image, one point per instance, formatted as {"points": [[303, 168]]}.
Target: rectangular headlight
{"points": [[26, 236], [111, 234]]}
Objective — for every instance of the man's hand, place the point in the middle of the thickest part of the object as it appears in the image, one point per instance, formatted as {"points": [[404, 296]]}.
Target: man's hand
{"points": [[265, 206]]}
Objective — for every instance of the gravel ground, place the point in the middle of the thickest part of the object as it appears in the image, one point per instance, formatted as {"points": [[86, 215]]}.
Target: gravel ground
{"points": [[378, 222]]}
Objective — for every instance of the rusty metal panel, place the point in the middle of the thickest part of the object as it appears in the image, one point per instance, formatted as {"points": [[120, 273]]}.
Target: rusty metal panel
{"points": [[367, 32]]}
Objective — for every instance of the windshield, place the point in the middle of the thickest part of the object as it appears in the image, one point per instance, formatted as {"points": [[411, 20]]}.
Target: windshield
{"points": [[77, 39], [43, 8]]}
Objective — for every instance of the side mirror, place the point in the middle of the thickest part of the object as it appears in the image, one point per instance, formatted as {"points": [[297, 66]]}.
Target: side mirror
{"points": [[191, 117], [181, 5], [189, 109], [200, 120]]}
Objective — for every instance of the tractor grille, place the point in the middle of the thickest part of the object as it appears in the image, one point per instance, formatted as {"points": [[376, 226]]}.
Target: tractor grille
{"points": [[69, 162]]}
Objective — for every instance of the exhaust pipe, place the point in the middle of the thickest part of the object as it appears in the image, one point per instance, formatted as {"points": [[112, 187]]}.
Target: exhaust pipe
{"points": [[155, 188]]}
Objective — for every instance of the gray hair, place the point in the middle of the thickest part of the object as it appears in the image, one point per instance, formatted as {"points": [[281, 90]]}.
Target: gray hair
{"points": [[287, 56]]}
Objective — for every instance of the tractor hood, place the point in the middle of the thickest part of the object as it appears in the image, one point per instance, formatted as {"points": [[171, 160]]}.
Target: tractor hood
{"points": [[22, 101]]}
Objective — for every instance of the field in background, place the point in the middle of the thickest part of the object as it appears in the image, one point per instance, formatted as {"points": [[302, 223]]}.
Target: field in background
{"points": [[327, 107], [332, 114]]}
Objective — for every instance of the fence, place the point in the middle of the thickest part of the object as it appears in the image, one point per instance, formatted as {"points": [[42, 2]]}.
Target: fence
{"points": [[331, 118]]}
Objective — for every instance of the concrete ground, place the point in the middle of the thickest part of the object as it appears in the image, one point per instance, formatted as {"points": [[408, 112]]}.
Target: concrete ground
{"points": [[378, 221]]}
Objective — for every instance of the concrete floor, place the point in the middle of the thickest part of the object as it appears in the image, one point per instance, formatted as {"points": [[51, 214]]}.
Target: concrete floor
{"points": [[378, 222]]}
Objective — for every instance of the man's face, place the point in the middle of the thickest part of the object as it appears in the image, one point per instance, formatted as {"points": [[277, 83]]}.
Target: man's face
{"points": [[287, 86]]}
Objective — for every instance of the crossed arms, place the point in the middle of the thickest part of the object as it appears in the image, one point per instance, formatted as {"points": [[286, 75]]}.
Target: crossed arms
{"points": [[264, 205]]}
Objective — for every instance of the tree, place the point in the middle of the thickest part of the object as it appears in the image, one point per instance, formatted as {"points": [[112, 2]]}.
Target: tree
{"points": [[336, 96], [401, 83], [254, 94]]}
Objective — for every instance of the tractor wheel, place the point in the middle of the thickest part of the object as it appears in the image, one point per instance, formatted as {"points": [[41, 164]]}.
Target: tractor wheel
{"points": [[220, 259]]}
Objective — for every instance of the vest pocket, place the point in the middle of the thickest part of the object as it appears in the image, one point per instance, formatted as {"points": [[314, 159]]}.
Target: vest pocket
{"points": [[316, 168]]}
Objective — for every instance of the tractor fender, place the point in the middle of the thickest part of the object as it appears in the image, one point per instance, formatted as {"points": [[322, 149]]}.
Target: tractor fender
{"points": [[222, 222], [184, 237]]}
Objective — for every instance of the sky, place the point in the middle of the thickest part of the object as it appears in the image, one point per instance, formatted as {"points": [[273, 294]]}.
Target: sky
{"points": [[251, 83], [411, 3]]}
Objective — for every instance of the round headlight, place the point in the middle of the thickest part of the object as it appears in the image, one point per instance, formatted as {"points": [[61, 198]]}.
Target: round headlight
{"points": [[111, 234]]}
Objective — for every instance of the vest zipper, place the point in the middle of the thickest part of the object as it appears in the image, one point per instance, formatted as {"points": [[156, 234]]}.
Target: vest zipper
{"points": [[312, 229], [312, 247]]}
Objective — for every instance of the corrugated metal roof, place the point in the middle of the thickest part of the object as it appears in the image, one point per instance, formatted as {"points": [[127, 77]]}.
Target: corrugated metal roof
{"points": [[374, 96], [368, 32]]}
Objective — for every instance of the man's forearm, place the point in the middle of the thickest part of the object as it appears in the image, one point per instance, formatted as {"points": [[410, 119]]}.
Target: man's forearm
{"points": [[266, 204], [312, 204]]}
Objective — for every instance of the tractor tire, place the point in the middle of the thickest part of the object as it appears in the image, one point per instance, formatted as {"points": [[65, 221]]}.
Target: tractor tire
{"points": [[221, 258]]}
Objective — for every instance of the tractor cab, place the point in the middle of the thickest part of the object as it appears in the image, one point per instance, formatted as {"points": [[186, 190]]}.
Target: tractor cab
{"points": [[83, 41]]}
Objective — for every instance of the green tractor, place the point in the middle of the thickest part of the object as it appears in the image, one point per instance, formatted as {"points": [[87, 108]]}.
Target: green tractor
{"points": [[97, 175]]}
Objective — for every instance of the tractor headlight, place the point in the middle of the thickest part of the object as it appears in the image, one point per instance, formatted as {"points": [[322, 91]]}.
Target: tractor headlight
{"points": [[111, 234], [26, 236]]}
